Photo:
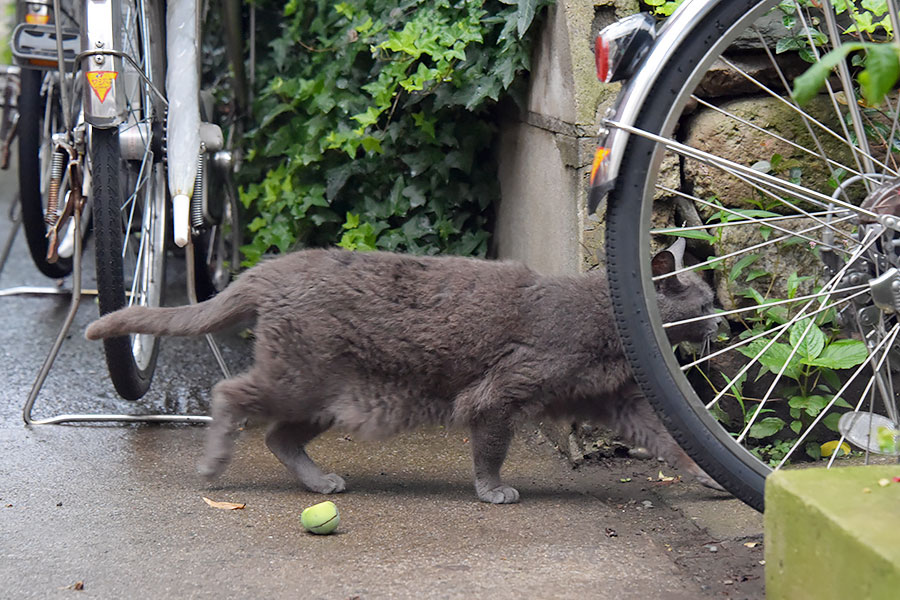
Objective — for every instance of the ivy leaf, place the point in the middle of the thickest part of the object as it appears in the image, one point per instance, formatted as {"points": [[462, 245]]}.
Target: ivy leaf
{"points": [[877, 7], [524, 13], [808, 84], [881, 72], [841, 354]]}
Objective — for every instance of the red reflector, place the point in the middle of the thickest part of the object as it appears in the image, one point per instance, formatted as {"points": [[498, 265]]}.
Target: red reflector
{"points": [[601, 57]]}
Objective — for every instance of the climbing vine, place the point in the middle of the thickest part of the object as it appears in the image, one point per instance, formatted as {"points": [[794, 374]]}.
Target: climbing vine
{"points": [[377, 121]]}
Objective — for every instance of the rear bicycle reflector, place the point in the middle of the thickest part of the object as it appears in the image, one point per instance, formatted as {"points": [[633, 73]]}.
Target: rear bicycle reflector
{"points": [[621, 47]]}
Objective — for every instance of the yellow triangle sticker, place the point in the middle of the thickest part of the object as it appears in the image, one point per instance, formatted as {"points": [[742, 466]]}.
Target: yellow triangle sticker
{"points": [[101, 82]]}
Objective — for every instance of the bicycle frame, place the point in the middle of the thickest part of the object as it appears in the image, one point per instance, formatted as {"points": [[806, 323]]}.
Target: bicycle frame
{"points": [[187, 139]]}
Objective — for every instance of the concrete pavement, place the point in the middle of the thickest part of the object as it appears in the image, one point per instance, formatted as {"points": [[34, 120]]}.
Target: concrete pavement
{"points": [[119, 508]]}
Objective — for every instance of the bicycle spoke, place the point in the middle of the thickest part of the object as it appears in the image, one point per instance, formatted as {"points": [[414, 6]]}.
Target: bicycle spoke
{"points": [[803, 214], [719, 259], [830, 162], [725, 313], [844, 139], [779, 328], [729, 166], [800, 316]]}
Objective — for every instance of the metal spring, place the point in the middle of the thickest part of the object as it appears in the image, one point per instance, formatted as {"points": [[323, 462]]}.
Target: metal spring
{"points": [[56, 171], [199, 193]]}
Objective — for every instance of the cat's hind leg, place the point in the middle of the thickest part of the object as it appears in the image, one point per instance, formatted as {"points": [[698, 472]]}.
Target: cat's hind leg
{"points": [[636, 421], [287, 441], [232, 400], [490, 442]]}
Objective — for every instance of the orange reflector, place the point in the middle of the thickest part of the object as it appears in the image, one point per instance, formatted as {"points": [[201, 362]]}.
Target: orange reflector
{"points": [[39, 62], [599, 156], [37, 19]]}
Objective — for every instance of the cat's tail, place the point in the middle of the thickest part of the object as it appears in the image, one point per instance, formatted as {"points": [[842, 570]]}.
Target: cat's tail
{"points": [[233, 305]]}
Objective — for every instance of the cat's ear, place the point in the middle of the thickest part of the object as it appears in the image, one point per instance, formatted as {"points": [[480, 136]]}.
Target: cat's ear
{"points": [[663, 263], [669, 260]]}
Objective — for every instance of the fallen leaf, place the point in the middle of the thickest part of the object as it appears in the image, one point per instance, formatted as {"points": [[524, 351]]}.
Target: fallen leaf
{"points": [[223, 505], [625, 480], [762, 562], [78, 585], [610, 532], [867, 491], [884, 482], [829, 448], [665, 477], [751, 544]]}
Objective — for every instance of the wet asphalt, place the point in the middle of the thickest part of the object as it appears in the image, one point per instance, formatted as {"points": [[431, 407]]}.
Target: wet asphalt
{"points": [[116, 510]]}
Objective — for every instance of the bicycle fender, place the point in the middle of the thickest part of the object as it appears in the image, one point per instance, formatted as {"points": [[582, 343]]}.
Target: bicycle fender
{"points": [[104, 106], [625, 110]]}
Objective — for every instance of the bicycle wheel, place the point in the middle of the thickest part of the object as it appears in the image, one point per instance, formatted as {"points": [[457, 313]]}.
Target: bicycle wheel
{"points": [[217, 247], [787, 211], [129, 196], [217, 240], [40, 116]]}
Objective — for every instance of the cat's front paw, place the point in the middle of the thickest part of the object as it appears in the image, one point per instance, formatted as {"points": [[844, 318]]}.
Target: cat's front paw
{"points": [[332, 483], [502, 494], [210, 469]]}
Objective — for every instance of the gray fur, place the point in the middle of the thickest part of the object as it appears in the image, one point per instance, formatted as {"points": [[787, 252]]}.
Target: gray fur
{"points": [[376, 343]]}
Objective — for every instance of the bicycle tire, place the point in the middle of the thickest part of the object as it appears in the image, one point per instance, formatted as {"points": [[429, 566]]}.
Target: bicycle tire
{"points": [[217, 248], [217, 244], [32, 175], [689, 393], [129, 198]]}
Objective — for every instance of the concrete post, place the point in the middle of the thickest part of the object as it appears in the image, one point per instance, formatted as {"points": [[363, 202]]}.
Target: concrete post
{"points": [[546, 152]]}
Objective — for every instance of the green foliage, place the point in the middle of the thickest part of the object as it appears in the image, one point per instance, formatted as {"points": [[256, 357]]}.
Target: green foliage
{"points": [[882, 69], [881, 66], [810, 357], [376, 123], [663, 8]]}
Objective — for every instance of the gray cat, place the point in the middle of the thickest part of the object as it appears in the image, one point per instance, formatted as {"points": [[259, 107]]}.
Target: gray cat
{"points": [[375, 343]]}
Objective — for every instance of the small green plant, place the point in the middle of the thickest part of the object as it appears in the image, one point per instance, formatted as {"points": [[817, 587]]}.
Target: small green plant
{"points": [[809, 357]]}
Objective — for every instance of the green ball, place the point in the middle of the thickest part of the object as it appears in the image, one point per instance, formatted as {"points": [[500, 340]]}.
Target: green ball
{"points": [[322, 518]]}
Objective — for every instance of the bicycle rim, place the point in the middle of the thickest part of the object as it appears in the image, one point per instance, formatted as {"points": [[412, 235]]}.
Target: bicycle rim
{"points": [[129, 197], [783, 211]]}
